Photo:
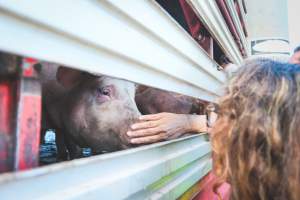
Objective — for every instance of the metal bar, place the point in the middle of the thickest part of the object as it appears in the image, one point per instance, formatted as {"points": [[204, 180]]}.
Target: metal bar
{"points": [[8, 98], [7, 88], [238, 25], [20, 105], [135, 40], [244, 6], [140, 172], [209, 13], [196, 28], [243, 16], [28, 118], [7, 65], [228, 19]]}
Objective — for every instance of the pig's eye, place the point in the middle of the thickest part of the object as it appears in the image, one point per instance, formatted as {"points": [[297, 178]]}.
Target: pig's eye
{"points": [[104, 91]]}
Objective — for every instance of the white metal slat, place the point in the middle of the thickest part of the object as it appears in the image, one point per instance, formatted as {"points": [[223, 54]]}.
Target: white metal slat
{"points": [[243, 14], [162, 54], [117, 175], [181, 184], [237, 23], [210, 15], [173, 36]]}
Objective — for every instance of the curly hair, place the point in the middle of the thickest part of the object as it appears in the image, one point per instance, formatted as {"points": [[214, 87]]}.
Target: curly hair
{"points": [[256, 139], [297, 49]]}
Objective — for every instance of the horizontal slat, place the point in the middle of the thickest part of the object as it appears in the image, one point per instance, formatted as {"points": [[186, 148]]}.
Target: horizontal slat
{"points": [[133, 174], [135, 40], [243, 14], [244, 6], [175, 184], [237, 23], [185, 179], [210, 14]]}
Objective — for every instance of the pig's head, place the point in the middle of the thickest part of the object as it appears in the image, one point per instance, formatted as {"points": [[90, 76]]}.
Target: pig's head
{"points": [[99, 109]]}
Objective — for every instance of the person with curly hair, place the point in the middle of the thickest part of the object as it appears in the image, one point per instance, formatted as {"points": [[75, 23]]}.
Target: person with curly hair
{"points": [[256, 138], [295, 58]]}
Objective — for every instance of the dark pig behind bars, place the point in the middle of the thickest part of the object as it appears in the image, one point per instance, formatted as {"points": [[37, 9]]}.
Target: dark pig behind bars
{"points": [[151, 100]]}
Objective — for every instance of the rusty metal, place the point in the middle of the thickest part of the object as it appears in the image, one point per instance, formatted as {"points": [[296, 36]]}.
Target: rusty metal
{"points": [[241, 13], [229, 21], [212, 18], [28, 117], [232, 8], [6, 129], [20, 105], [196, 28], [7, 64], [8, 70]]}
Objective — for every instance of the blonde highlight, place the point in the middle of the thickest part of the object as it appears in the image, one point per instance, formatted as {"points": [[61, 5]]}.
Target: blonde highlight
{"points": [[256, 140]]}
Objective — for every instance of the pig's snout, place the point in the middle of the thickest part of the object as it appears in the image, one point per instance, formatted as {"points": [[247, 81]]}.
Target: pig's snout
{"points": [[107, 125]]}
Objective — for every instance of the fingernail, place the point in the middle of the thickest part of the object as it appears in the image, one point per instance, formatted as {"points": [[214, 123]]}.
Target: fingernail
{"points": [[129, 133]]}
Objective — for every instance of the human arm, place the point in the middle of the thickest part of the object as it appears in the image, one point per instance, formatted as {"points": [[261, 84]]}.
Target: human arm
{"points": [[165, 126]]}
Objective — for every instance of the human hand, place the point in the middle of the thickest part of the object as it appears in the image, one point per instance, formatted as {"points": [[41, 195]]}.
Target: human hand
{"points": [[165, 126]]}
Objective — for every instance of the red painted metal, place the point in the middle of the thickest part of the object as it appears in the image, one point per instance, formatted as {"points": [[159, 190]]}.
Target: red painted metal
{"points": [[5, 105], [29, 132], [28, 118], [6, 131], [197, 29], [28, 69], [224, 10], [237, 6], [20, 116], [206, 189]]}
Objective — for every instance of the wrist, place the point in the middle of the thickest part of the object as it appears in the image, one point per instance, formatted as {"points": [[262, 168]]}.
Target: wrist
{"points": [[197, 123]]}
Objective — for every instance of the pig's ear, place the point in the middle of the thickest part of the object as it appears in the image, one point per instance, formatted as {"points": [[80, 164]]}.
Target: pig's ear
{"points": [[68, 77]]}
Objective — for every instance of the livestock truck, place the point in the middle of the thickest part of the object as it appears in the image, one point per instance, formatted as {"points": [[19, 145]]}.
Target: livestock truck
{"points": [[173, 45]]}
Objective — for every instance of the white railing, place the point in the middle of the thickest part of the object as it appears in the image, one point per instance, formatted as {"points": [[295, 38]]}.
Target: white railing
{"points": [[211, 16], [158, 171], [237, 23], [243, 14], [134, 40]]}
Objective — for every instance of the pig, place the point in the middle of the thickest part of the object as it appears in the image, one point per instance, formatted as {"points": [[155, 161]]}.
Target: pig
{"points": [[87, 110], [151, 100]]}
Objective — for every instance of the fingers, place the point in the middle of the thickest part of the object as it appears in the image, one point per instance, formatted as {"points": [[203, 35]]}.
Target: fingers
{"points": [[144, 132], [151, 129], [148, 139], [151, 117], [144, 125]]}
